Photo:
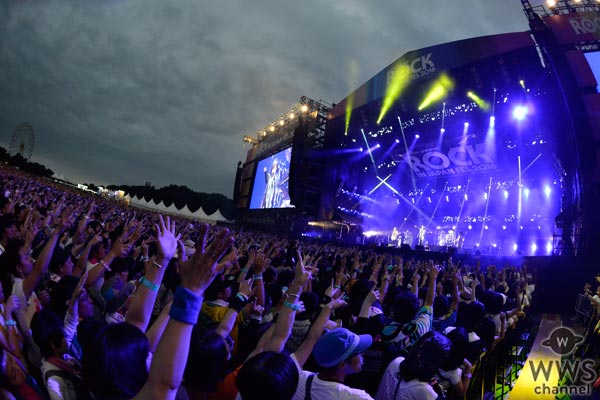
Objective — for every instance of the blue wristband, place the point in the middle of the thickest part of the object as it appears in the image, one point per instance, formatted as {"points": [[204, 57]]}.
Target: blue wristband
{"points": [[293, 306], [149, 284], [186, 306]]}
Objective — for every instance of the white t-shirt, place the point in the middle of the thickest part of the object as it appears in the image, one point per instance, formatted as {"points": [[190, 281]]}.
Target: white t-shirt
{"points": [[411, 390], [454, 376], [325, 390]]}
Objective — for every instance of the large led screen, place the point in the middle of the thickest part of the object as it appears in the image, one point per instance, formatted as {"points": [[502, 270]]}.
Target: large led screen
{"points": [[271, 182]]}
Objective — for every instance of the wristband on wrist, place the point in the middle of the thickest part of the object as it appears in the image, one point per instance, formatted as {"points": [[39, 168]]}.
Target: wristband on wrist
{"points": [[186, 306], [258, 277], [337, 286], [244, 270], [242, 296], [237, 303], [293, 294], [144, 258], [293, 306], [156, 264], [10, 322], [149, 284]]}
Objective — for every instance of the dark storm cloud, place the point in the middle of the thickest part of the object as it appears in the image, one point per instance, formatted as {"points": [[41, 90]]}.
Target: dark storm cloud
{"points": [[149, 90]]}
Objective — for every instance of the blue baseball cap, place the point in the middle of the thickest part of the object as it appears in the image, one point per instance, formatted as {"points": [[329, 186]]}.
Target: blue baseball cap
{"points": [[338, 345]]}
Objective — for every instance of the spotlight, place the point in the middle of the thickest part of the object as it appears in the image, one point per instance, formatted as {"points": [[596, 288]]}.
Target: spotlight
{"points": [[486, 227], [442, 130], [506, 194], [361, 149], [466, 124], [470, 227], [549, 248], [272, 128], [550, 3], [515, 247], [547, 191], [485, 196], [378, 145], [520, 112], [292, 115], [304, 108], [533, 248], [417, 136], [397, 141], [281, 122], [526, 192], [504, 227]]}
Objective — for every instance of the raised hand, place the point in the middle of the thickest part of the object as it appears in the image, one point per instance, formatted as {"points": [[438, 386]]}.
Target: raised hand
{"points": [[200, 270], [337, 303], [302, 275], [246, 288], [165, 237], [372, 297], [331, 290], [261, 263]]}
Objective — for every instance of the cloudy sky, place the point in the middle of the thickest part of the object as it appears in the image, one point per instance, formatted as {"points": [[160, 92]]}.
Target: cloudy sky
{"points": [[129, 91]]}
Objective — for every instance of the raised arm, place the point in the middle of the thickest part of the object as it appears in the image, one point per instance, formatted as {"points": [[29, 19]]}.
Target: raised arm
{"points": [[43, 260], [283, 326], [235, 306], [171, 354], [433, 273], [316, 330], [140, 309]]}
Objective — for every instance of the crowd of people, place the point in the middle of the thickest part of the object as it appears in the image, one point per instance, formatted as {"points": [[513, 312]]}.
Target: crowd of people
{"points": [[104, 301]]}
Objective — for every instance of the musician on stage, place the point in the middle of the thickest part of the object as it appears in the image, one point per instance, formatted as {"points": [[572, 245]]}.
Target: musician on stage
{"points": [[395, 236], [421, 237]]}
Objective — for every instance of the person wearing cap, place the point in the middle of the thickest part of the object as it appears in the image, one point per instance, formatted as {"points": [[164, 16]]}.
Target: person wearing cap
{"points": [[339, 353], [116, 292]]}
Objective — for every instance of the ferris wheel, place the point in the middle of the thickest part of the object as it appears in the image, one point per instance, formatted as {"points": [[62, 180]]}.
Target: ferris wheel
{"points": [[22, 141]]}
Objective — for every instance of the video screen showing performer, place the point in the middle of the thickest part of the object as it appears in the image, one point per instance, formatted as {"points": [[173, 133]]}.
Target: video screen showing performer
{"points": [[272, 180]]}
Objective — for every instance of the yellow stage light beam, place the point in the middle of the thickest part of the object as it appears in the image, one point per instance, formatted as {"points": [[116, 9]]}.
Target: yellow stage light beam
{"points": [[399, 81], [484, 105], [438, 91], [352, 79]]}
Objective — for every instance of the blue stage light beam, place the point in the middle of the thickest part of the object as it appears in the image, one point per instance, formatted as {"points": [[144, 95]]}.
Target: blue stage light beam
{"points": [[430, 219], [413, 207], [531, 163], [388, 185], [369, 149], [389, 151], [487, 203], [407, 158], [382, 181], [520, 200], [462, 204]]}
